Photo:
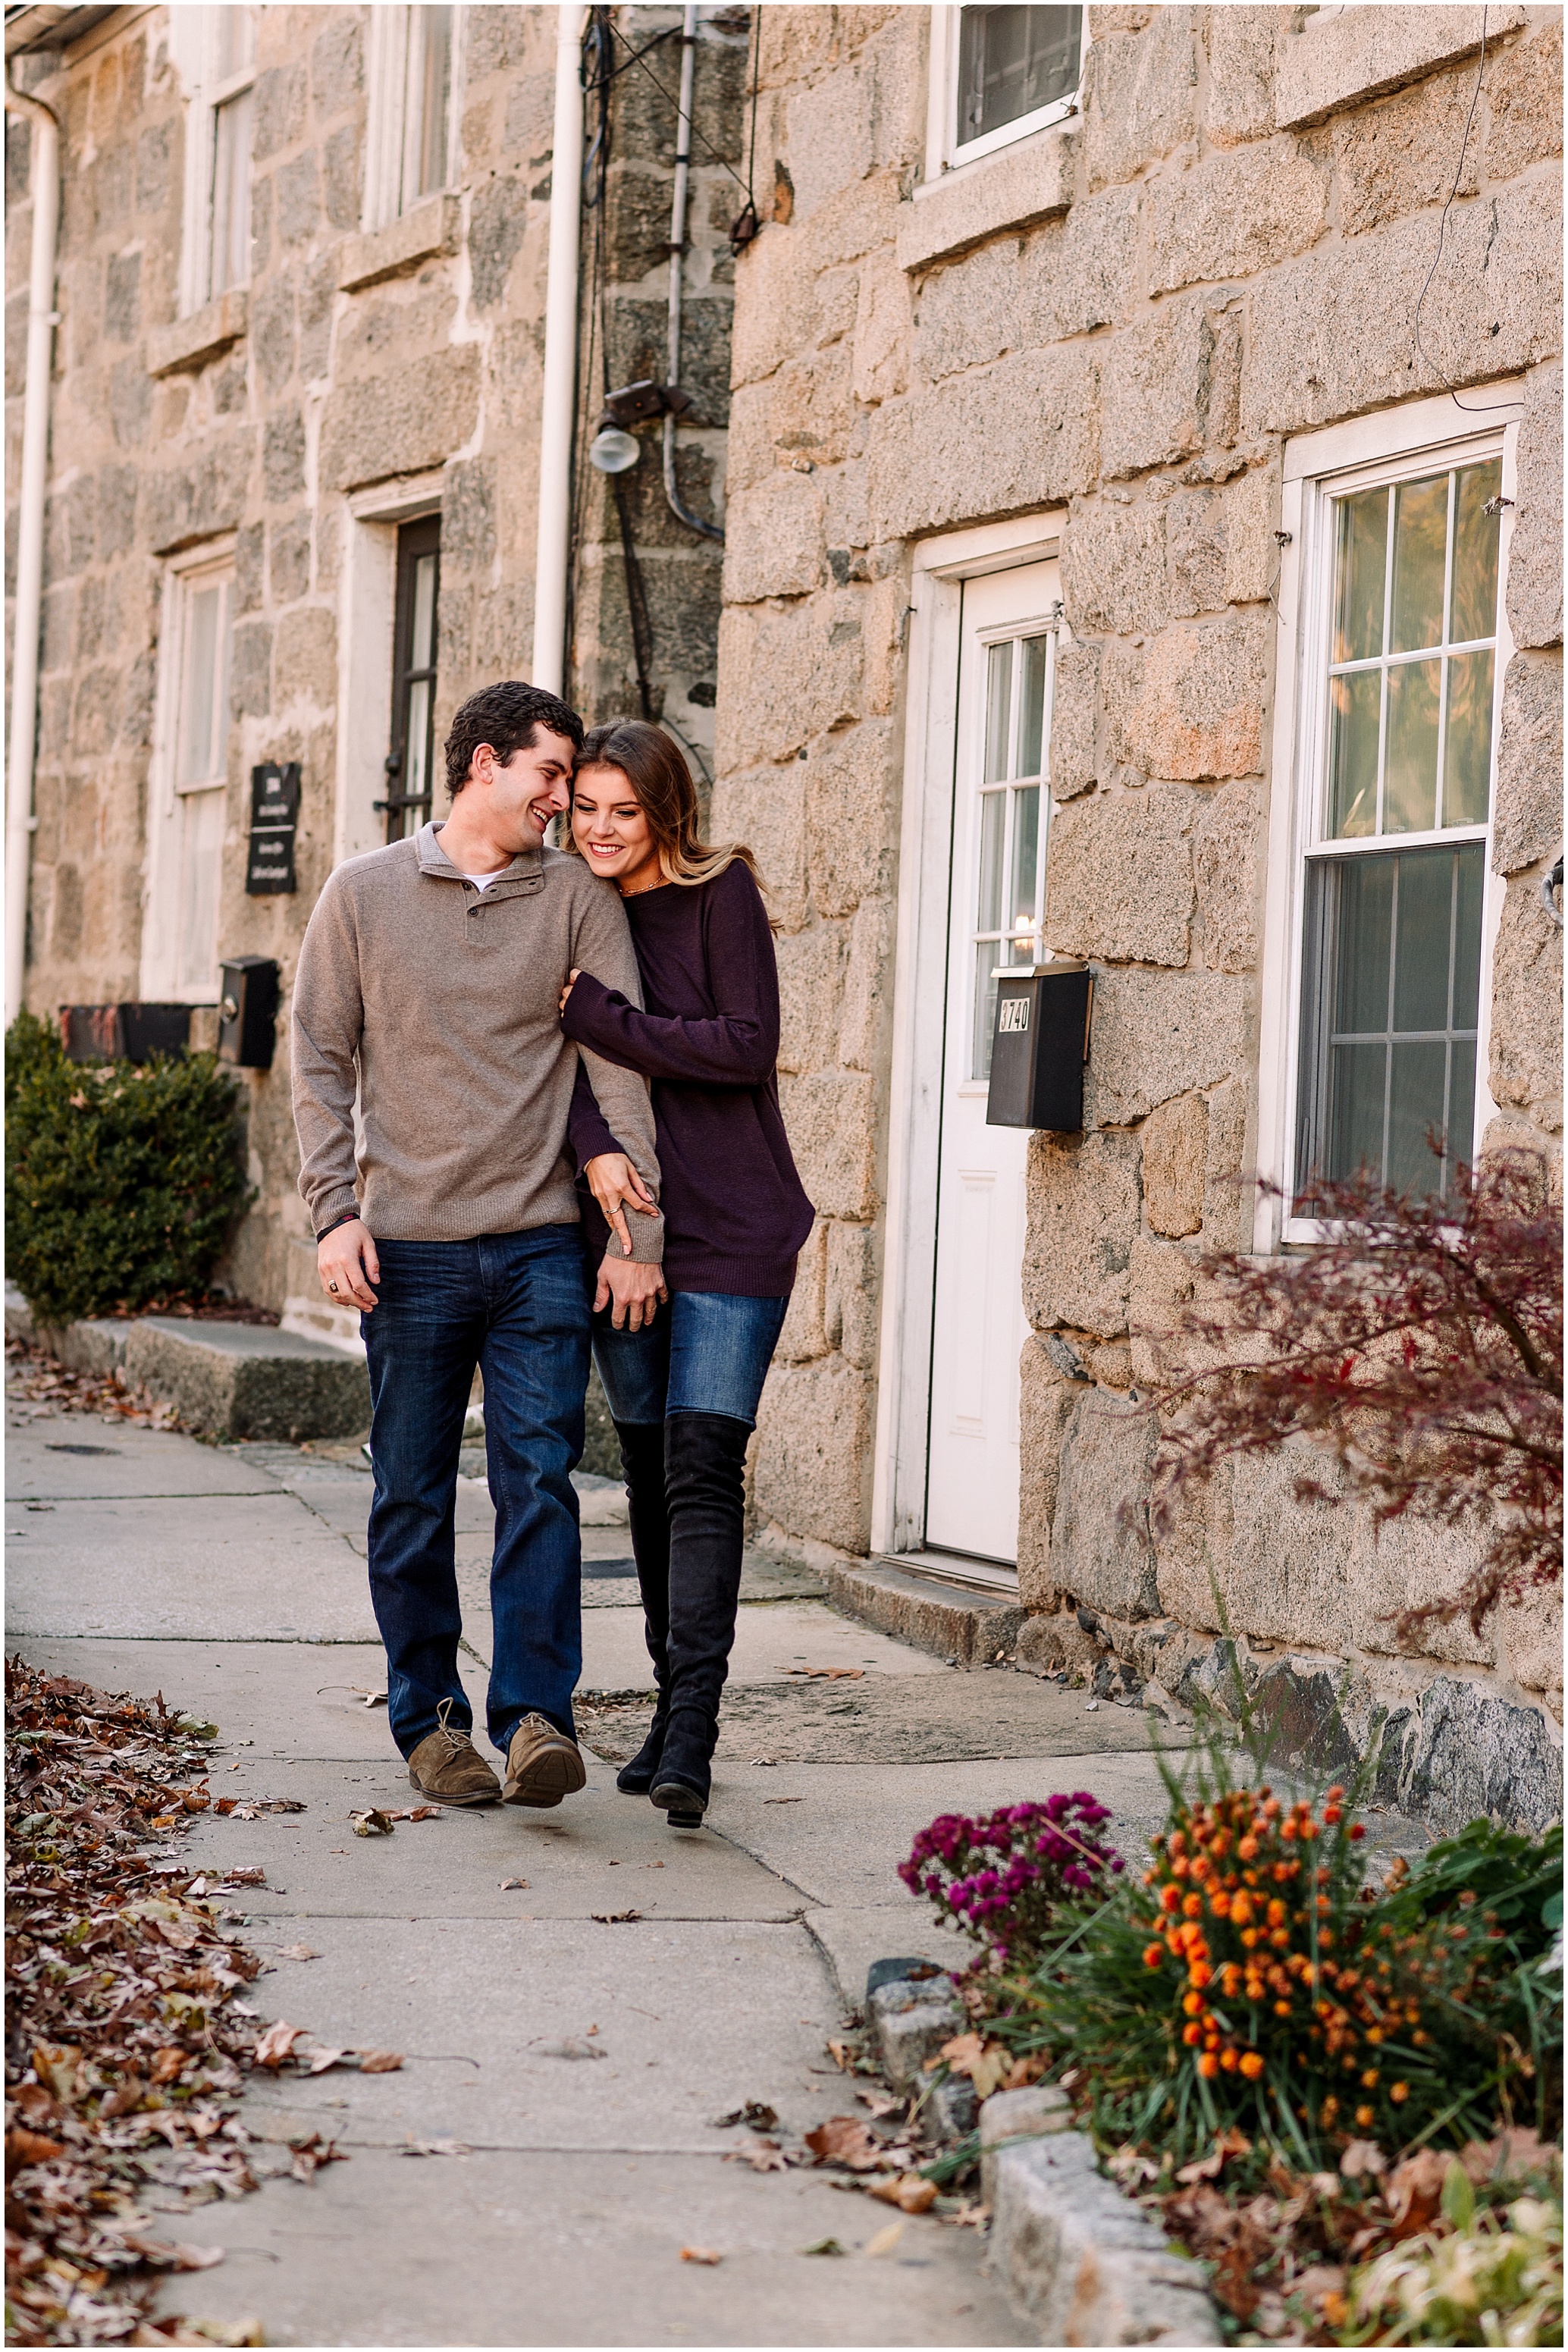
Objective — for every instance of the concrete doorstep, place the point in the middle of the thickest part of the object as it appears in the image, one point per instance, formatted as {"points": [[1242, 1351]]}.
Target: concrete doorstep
{"points": [[226, 1379]]}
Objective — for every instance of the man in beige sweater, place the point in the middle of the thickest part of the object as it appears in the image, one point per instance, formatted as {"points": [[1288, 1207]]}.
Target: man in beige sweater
{"points": [[426, 1000]]}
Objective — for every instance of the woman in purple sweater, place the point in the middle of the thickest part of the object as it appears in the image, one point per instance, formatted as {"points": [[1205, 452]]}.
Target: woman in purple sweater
{"points": [[684, 1391]]}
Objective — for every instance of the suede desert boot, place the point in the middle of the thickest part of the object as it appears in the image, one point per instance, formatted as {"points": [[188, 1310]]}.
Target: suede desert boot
{"points": [[447, 1766], [543, 1765]]}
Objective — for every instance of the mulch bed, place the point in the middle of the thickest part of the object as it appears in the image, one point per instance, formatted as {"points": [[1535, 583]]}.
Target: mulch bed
{"points": [[125, 2044]]}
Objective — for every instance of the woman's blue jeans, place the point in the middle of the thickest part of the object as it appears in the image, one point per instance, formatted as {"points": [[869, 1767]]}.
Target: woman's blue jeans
{"points": [[519, 1305], [706, 1352]]}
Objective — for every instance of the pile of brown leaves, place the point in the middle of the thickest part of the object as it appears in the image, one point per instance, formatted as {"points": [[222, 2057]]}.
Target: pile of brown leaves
{"points": [[123, 2039], [1280, 2259], [35, 1378]]}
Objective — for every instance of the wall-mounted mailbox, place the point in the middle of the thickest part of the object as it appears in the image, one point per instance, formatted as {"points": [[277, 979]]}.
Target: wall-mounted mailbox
{"points": [[274, 822], [1039, 1046], [124, 1032], [248, 1016]]}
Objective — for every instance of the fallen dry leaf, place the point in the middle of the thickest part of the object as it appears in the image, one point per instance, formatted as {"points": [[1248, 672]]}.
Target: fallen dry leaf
{"points": [[614, 1919], [885, 2240], [844, 2140], [706, 2254], [420, 1813], [822, 2246], [278, 2043], [380, 2061], [1208, 2167], [843, 2056], [320, 2059], [1363, 2160], [762, 2155], [987, 2064], [298, 1952], [573, 2046], [374, 1823], [174, 2257], [754, 2112], [909, 2192], [24, 2148], [435, 2147], [250, 1876], [879, 2103], [310, 2155], [507, 1884], [826, 1674]]}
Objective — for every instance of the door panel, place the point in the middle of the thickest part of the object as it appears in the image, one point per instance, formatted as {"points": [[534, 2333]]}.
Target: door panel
{"points": [[1001, 812]]}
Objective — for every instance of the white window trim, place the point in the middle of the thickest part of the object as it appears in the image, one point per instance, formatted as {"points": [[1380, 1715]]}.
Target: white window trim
{"points": [[160, 896], [366, 613], [1397, 442], [386, 83], [942, 565], [944, 154], [192, 45]]}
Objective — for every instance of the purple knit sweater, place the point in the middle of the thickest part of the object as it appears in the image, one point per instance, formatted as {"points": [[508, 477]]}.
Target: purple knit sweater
{"points": [[735, 1215]]}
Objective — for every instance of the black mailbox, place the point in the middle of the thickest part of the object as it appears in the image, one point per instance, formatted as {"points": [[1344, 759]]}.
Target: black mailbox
{"points": [[124, 1032], [1039, 1046], [248, 1016]]}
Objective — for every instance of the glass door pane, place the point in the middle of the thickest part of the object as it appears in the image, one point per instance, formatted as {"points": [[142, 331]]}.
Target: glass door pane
{"points": [[410, 762]]}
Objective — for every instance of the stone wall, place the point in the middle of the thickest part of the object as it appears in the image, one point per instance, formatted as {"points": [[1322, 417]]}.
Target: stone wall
{"points": [[1123, 321], [354, 359]]}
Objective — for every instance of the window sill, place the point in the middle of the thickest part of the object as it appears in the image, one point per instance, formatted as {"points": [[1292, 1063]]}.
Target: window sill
{"points": [[185, 347], [1343, 59], [1011, 189], [431, 229]]}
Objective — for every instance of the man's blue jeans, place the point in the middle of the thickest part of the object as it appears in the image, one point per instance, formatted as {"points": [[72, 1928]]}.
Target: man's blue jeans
{"points": [[518, 1305]]}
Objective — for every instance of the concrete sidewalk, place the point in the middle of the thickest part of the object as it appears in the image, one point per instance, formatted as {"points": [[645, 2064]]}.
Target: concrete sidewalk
{"points": [[233, 1580]]}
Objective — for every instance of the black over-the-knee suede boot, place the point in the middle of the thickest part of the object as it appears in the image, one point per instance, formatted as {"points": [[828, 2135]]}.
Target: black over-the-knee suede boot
{"points": [[705, 1476], [642, 1459]]}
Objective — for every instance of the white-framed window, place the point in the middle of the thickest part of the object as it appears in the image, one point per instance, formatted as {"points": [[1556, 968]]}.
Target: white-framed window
{"points": [[188, 805], [997, 74], [414, 70], [215, 48], [1381, 902]]}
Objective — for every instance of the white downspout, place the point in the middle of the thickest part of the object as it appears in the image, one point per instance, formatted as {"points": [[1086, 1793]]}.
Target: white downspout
{"points": [[28, 603], [558, 413]]}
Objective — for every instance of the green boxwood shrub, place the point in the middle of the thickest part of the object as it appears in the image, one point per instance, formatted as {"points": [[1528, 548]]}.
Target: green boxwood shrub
{"points": [[122, 1183]]}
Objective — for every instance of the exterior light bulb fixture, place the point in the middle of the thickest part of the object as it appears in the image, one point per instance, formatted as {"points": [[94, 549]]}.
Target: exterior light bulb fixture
{"points": [[614, 451]]}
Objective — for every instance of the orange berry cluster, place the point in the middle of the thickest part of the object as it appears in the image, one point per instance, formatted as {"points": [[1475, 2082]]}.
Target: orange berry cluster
{"points": [[1248, 1915]]}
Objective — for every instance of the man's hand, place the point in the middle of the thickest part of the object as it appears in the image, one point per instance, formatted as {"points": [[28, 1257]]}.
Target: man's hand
{"points": [[347, 1263], [614, 1181], [636, 1291]]}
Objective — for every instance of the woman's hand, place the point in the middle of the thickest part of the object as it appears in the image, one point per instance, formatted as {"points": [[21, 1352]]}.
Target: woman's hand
{"points": [[574, 975], [615, 1182]]}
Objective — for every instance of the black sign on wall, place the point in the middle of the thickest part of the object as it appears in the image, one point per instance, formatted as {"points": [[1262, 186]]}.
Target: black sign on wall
{"points": [[274, 819]]}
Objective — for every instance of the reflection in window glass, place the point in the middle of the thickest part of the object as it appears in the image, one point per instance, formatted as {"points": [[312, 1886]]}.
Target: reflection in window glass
{"points": [[410, 762], [1420, 556], [1013, 816], [427, 103], [998, 708], [231, 194], [1394, 947], [1032, 718], [200, 779], [1013, 62]]}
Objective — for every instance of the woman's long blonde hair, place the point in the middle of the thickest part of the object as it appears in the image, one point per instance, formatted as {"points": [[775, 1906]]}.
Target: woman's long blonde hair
{"points": [[661, 782]]}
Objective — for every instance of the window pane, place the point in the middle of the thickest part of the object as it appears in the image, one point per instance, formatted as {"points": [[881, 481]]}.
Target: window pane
{"points": [[1359, 568], [231, 194], [423, 656], [203, 618], [1415, 1114], [1472, 884], [985, 958], [1365, 924], [1476, 555], [1421, 941], [988, 901], [1359, 1075], [417, 771], [1468, 753], [1354, 703], [201, 819], [1420, 546], [1013, 60], [1025, 865], [429, 94], [1032, 717], [1410, 778], [235, 40], [998, 708]]}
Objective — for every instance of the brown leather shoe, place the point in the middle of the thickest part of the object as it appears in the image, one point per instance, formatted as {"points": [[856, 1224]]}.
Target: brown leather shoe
{"points": [[447, 1766], [542, 1765]]}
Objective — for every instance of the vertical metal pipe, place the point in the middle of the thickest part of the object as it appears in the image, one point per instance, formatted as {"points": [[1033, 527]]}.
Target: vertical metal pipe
{"points": [[677, 262], [557, 413], [28, 606]]}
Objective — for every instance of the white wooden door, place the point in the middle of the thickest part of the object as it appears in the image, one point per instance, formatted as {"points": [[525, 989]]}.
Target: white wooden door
{"points": [[1001, 812]]}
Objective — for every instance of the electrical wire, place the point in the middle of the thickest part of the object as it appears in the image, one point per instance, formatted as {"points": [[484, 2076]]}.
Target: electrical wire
{"points": [[636, 58], [1471, 408]]}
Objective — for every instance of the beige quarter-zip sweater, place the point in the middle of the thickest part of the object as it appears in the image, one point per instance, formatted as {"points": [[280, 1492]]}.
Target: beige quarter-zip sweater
{"points": [[443, 1001]]}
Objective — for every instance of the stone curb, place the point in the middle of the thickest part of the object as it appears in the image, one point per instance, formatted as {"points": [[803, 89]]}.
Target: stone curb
{"points": [[910, 2022], [969, 1627], [226, 1379], [1079, 2258]]}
